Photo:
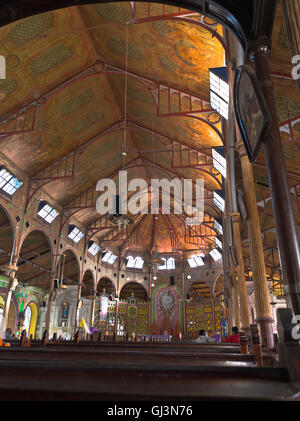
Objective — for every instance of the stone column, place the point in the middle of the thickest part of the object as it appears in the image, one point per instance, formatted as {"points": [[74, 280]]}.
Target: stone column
{"points": [[291, 13], [285, 223]]}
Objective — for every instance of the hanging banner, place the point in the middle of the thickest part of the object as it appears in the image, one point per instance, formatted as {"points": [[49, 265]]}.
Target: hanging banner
{"points": [[104, 300], [167, 306]]}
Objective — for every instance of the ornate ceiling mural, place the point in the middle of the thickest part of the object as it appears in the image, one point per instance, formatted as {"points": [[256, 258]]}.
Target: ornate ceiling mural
{"points": [[67, 82]]}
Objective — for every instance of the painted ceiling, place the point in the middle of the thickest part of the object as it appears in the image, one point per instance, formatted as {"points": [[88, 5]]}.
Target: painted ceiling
{"points": [[66, 76]]}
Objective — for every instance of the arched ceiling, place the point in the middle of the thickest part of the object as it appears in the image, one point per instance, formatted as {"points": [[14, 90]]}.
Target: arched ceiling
{"points": [[73, 100], [78, 99], [105, 285], [133, 289]]}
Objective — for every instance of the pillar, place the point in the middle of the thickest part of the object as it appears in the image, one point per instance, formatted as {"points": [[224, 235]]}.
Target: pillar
{"points": [[234, 215], [93, 309], [229, 309], [116, 317], [261, 290], [285, 223], [78, 307], [212, 303], [291, 13], [243, 295], [49, 304], [11, 288], [235, 303]]}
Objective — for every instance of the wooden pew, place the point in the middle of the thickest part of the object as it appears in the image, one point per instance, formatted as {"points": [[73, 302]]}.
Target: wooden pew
{"points": [[77, 379]]}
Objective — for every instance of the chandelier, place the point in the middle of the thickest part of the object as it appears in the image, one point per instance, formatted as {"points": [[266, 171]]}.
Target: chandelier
{"points": [[155, 261]]}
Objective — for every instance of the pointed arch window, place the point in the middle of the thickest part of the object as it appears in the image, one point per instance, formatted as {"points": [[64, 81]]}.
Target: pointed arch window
{"points": [[169, 264], [135, 262]]}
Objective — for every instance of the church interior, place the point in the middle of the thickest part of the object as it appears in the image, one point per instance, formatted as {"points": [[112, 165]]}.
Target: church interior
{"points": [[102, 92]]}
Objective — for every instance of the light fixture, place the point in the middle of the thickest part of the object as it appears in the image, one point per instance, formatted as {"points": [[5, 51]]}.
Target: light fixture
{"points": [[219, 200], [93, 248], [8, 182], [117, 218], [153, 285], [155, 261], [47, 212], [155, 278], [189, 277], [215, 254], [219, 161], [219, 90]]}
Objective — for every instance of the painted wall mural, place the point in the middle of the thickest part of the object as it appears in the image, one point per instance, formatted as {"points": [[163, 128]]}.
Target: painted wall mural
{"points": [[25, 307], [166, 310], [104, 301]]}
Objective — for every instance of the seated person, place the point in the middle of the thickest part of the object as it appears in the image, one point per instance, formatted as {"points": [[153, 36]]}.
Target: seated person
{"points": [[234, 338], [204, 339], [9, 337]]}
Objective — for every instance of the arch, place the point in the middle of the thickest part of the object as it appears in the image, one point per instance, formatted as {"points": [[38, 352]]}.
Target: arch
{"points": [[200, 289], [217, 286], [88, 284], [7, 235], [68, 268], [105, 283], [134, 289], [225, 12], [13, 314], [36, 260], [31, 329]]}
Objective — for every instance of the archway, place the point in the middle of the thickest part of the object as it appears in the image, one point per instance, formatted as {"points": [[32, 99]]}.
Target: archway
{"points": [[6, 237], [133, 289], [35, 261], [229, 13], [200, 289], [107, 286], [219, 285], [13, 317], [30, 319], [88, 288], [68, 270]]}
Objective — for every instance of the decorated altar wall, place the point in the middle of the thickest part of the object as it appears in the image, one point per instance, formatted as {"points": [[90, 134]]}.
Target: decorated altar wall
{"points": [[133, 316], [166, 309], [204, 314]]}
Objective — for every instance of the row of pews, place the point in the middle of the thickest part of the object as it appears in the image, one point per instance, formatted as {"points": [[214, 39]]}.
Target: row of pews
{"points": [[101, 368]]}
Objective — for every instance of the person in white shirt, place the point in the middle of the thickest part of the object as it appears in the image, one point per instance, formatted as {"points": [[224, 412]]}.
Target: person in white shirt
{"points": [[204, 339]]}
